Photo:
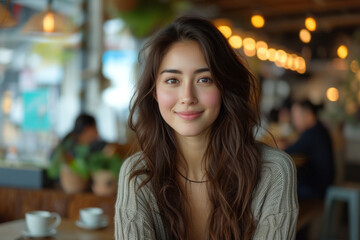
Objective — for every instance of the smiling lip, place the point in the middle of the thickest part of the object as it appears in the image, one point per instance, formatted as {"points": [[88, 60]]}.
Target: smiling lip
{"points": [[189, 115]]}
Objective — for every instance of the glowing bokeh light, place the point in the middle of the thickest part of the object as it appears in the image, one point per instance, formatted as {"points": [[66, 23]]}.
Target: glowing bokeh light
{"points": [[305, 36], [257, 21], [235, 41], [225, 30], [49, 22], [310, 24], [332, 94], [342, 51], [271, 54]]}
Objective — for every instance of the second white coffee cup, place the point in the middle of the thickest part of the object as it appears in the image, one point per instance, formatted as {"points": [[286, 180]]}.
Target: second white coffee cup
{"points": [[42, 222], [92, 216]]}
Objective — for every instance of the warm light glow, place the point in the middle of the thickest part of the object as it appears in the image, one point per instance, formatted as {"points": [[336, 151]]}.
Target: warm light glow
{"points": [[249, 44], [261, 53], [292, 65], [354, 66], [225, 30], [271, 54], [235, 41], [257, 21], [222, 22], [332, 94], [289, 61], [249, 52], [302, 65], [342, 51], [305, 36], [297, 61], [261, 44], [6, 102], [281, 56], [358, 75], [49, 22], [310, 24], [278, 64], [301, 70]]}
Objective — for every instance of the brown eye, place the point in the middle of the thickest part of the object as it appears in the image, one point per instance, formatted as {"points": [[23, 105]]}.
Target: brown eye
{"points": [[205, 80], [172, 81]]}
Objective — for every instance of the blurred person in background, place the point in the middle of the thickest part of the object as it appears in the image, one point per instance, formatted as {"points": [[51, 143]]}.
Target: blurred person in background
{"points": [[315, 146], [75, 147]]}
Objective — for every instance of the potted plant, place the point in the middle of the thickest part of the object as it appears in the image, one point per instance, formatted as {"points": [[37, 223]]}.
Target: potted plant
{"points": [[69, 166], [104, 169]]}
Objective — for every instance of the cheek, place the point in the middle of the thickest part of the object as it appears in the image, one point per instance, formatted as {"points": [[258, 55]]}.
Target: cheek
{"points": [[165, 99], [211, 98]]}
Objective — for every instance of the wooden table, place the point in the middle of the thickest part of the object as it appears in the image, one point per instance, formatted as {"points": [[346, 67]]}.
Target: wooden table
{"points": [[67, 230]]}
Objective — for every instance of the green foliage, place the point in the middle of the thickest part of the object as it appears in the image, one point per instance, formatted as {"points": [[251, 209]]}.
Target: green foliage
{"points": [[74, 155], [81, 161], [150, 15], [52, 52], [99, 161]]}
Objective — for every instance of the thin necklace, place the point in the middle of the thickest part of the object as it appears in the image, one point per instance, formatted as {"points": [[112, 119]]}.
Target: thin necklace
{"points": [[189, 180]]}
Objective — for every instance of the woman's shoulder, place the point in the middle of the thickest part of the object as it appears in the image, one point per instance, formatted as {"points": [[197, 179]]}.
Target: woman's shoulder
{"points": [[276, 158], [277, 167], [133, 163], [276, 189]]}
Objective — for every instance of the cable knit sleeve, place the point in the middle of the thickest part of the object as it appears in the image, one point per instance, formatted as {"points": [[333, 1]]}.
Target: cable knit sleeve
{"points": [[134, 210], [275, 204]]}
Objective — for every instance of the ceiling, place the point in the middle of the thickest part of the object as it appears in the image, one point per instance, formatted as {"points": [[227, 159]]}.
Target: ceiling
{"points": [[337, 20]]}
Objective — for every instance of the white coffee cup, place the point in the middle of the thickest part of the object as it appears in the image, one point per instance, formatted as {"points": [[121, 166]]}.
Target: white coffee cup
{"points": [[42, 222], [91, 216]]}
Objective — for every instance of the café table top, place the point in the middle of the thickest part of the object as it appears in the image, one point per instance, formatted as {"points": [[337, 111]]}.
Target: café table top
{"points": [[67, 230]]}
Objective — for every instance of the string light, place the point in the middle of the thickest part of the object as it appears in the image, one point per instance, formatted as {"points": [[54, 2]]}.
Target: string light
{"points": [[305, 35], [332, 94], [271, 54], [257, 20], [281, 57], [251, 48], [249, 44], [310, 24], [342, 51], [225, 30], [235, 41]]}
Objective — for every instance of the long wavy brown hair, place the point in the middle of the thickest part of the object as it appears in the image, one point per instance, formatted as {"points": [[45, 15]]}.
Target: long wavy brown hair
{"points": [[232, 156]]}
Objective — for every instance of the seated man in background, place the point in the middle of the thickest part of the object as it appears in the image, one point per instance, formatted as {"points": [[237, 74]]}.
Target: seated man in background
{"points": [[314, 144]]}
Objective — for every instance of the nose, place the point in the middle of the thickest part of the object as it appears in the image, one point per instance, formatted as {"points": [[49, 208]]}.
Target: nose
{"points": [[188, 94]]}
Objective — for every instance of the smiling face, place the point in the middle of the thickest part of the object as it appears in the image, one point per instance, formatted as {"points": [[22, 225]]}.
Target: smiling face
{"points": [[189, 101]]}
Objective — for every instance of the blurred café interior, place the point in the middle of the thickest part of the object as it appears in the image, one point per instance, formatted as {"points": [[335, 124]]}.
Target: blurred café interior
{"points": [[61, 58]]}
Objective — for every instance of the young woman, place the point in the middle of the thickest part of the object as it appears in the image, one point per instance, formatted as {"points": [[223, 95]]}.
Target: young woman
{"points": [[200, 173]]}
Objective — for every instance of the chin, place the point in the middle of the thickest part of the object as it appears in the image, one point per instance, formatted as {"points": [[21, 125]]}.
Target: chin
{"points": [[190, 133]]}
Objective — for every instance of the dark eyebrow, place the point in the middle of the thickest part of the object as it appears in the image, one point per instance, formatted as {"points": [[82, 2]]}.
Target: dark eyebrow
{"points": [[200, 70], [170, 71]]}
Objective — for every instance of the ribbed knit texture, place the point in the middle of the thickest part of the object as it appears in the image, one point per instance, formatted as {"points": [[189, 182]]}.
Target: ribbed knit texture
{"points": [[274, 204]]}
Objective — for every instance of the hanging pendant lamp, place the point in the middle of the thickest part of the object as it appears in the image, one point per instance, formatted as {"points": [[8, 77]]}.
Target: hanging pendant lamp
{"points": [[6, 20], [49, 22]]}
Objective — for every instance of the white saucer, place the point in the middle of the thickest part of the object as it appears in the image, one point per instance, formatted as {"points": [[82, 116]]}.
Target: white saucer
{"points": [[27, 233], [103, 223]]}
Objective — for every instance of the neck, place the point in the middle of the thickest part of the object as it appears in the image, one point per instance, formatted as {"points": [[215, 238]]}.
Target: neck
{"points": [[191, 164]]}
